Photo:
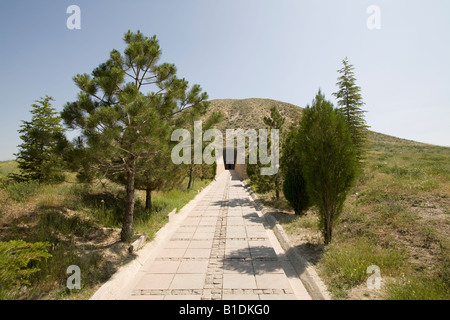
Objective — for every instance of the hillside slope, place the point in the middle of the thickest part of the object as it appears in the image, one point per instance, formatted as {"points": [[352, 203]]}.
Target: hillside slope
{"points": [[249, 113]]}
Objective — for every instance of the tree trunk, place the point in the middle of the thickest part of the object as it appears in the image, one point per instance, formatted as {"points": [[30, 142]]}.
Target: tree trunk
{"points": [[127, 228], [328, 227], [190, 178], [148, 200]]}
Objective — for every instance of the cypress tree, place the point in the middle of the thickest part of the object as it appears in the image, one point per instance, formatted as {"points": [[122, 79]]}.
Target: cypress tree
{"points": [[329, 160]]}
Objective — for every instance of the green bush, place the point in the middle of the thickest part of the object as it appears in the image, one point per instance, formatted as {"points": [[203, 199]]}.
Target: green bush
{"points": [[294, 185], [18, 262], [21, 191], [294, 190]]}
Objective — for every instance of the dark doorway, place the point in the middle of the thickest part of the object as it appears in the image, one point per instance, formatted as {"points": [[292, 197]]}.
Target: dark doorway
{"points": [[229, 165]]}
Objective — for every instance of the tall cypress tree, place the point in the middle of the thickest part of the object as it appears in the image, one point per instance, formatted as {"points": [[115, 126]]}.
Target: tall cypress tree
{"points": [[328, 158], [123, 126], [40, 155], [350, 103]]}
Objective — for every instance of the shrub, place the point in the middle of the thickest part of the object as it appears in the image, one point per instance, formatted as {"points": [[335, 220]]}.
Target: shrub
{"points": [[294, 185], [18, 262], [21, 191]]}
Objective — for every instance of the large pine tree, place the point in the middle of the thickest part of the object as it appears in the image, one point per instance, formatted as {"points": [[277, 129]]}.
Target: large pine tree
{"points": [[40, 155], [122, 125], [350, 101]]}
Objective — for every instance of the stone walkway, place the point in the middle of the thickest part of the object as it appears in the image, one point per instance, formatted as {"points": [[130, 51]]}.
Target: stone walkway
{"points": [[222, 250]]}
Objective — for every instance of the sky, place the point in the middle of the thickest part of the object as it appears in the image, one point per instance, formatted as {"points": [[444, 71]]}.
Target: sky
{"points": [[284, 50]]}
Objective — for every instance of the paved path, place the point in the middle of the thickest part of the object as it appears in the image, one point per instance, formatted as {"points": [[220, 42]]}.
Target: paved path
{"points": [[223, 249]]}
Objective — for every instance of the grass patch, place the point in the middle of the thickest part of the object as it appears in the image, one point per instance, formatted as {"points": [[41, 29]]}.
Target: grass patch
{"points": [[418, 288], [163, 204], [22, 191], [344, 265]]}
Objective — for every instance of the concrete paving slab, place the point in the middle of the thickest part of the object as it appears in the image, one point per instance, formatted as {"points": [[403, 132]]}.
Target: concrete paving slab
{"points": [[161, 266], [239, 281], [272, 281], [172, 253], [183, 297], [197, 253], [188, 281], [190, 266], [177, 244], [277, 297], [237, 267], [200, 244], [240, 297], [155, 281]]}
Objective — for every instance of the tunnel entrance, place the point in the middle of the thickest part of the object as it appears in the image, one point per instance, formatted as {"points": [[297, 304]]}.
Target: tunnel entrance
{"points": [[230, 160]]}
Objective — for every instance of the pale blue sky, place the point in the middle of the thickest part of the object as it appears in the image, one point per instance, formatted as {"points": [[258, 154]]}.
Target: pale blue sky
{"points": [[283, 50]]}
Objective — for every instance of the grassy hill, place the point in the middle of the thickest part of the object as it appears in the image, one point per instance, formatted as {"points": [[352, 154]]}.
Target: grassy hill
{"points": [[7, 167], [397, 215], [249, 113]]}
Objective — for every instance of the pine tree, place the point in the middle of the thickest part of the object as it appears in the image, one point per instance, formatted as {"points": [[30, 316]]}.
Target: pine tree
{"points": [[121, 124], [350, 103], [40, 156], [329, 160]]}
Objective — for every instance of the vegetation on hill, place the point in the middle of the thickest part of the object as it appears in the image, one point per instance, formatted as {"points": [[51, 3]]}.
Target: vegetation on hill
{"points": [[250, 113], [397, 217]]}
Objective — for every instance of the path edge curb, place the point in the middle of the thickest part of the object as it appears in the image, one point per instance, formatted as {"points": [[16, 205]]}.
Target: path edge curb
{"points": [[306, 271]]}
